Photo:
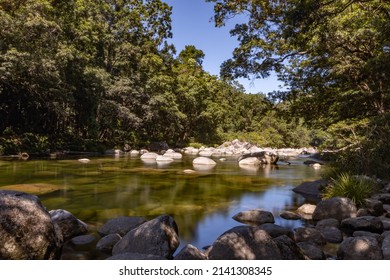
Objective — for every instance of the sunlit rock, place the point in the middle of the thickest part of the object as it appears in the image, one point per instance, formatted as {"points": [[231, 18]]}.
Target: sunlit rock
{"points": [[155, 237], [149, 155], [26, 229], [244, 243], [360, 248]]}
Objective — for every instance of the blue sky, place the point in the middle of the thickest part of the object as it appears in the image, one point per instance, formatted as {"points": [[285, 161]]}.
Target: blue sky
{"points": [[192, 25]]}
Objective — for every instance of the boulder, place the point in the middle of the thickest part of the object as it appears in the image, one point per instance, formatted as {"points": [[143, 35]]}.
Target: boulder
{"points": [[244, 243], [383, 197], [264, 157], [190, 252], [331, 222], [365, 223], [307, 234], [276, 230], [306, 211], [120, 225], [385, 222], [311, 189], [360, 248], [203, 161], [366, 233], [164, 158], [26, 229], [374, 206], [155, 237], [149, 155], [254, 217], [289, 215], [250, 161], [108, 242], [173, 154], [336, 207], [331, 234], [288, 248], [70, 226], [311, 250], [386, 247]]}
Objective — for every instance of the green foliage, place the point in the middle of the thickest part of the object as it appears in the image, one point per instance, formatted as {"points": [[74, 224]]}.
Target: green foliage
{"points": [[80, 75], [357, 188], [368, 153]]}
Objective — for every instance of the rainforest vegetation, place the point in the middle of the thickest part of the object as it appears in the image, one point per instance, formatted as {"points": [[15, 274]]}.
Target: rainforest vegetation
{"points": [[91, 74]]}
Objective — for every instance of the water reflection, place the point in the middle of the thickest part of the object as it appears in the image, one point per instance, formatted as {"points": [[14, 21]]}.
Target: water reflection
{"points": [[202, 202]]}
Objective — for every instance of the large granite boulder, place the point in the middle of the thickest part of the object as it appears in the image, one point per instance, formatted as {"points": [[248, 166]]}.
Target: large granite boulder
{"points": [[360, 248], [365, 223], [244, 243], [288, 248], [70, 226], [338, 208], [26, 229], [157, 237]]}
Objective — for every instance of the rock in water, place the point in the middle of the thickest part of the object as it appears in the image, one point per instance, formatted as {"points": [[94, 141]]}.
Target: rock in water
{"points": [[254, 217], [157, 237], [26, 229]]}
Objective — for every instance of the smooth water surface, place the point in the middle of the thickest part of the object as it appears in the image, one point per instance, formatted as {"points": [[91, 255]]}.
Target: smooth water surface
{"points": [[201, 203]]}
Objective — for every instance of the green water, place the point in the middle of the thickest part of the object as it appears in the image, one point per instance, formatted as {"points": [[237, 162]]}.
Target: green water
{"points": [[202, 203]]}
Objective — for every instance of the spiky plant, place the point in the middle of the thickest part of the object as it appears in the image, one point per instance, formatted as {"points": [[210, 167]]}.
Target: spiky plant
{"points": [[357, 188]]}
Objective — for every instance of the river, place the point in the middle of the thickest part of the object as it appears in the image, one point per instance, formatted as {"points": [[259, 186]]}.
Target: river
{"points": [[201, 203]]}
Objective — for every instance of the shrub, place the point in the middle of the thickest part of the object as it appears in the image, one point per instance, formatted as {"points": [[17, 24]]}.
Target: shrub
{"points": [[357, 188]]}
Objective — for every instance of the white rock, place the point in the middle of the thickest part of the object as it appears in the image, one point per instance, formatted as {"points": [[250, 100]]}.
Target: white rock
{"points": [[250, 161], [203, 161], [149, 156], [84, 160], [173, 155], [164, 159]]}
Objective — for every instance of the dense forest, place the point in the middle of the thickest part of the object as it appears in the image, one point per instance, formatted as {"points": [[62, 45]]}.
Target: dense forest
{"points": [[93, 74]]}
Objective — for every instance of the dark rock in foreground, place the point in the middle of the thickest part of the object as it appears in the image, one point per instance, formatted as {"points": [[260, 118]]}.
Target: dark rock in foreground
{"points": [[339, 208], [120, 225], [156, 237], [70, 226], [244, 243], [190, 252], [311, 189], [26, 229], [360, 248]]}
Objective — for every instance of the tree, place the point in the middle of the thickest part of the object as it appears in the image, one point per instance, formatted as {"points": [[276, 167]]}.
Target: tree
{"points": [[333, 55]]}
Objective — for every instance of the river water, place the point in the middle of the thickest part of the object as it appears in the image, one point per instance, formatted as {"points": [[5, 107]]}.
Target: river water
{"points": [[201, 203]]}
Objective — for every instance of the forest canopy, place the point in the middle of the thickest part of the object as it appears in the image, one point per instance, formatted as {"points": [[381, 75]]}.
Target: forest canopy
{"points": [[91, 74]]}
